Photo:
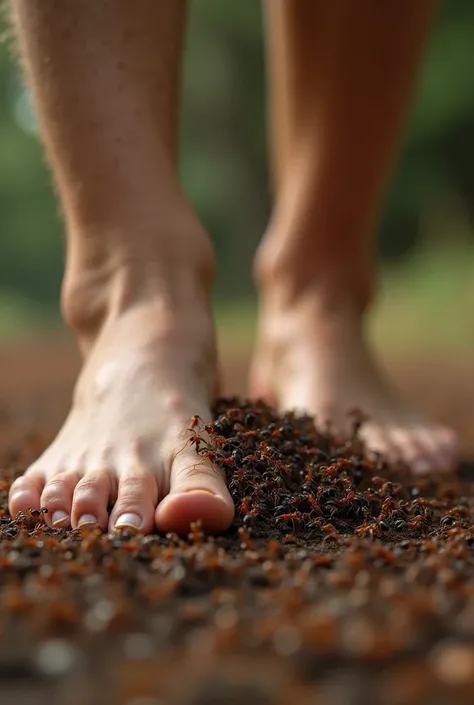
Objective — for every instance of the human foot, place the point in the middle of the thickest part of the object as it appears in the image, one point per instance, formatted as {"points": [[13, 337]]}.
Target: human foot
{"points": [[327, 371], [125, 442]]}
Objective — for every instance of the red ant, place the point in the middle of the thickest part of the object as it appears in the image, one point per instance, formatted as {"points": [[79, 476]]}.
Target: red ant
{"points": [[309, 476], [345, 464], [39, 529], [281, 466], [220, 441], [254, 513], [248, 434], [368, 529], [314, 504], [245, 504], [195, 439], [294, 517], [346, 500], [415, 523], [227, 461], [330, 470], [210, 455], [388, 505], [195, 421]]}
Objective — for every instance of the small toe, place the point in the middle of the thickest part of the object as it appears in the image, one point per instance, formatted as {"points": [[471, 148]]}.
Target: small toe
{"points": [[25, 493], [413, 451], [91, 499], [136, 501], [57, 498], [198, 492], [378, 440], [449, 447]]}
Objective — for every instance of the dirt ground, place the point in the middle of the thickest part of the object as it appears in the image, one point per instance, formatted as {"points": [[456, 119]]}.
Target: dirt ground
{"points": [[338, 583]]}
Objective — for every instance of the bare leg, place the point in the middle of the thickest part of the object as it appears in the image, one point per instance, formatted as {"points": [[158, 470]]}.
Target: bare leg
{"points": [[105, 74], [341, 76]]}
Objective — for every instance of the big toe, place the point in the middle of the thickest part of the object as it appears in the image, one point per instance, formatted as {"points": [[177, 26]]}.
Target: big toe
{"points": [[197, 493]]}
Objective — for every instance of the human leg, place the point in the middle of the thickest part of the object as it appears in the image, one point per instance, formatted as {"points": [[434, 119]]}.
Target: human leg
{"points": [[341, 78], [105, 76]]}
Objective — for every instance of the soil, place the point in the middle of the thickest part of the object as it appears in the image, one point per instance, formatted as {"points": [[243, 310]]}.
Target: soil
{"points": [[341, 581]]}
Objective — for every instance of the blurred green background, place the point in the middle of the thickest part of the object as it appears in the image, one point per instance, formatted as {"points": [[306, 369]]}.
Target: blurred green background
{"points": [[426, 246]]}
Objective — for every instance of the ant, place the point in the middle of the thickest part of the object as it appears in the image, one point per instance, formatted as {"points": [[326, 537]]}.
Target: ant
{"points": [[195, 420], [368, 530], [195, 439], [37, 531], [245, 505], [314, 504], [281, 466], [343, 464], [250, 517], [309, 476], [227, 461], [293, 517], [212, 456], [415, 523]]}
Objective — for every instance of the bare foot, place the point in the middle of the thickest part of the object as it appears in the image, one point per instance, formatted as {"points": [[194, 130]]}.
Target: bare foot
{"points": [[125, 442], [327, 372]]}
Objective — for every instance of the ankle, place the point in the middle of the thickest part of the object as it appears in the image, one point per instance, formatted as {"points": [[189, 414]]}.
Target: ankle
{"points": [[296, 274], [174, 272]]}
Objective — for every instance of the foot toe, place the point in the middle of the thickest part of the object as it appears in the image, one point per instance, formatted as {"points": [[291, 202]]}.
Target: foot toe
{"points": [[379, 440], [136, 501], [25, 493], [91, 499], [413, 450], [57, 498], [197, 492], [449, 446]]}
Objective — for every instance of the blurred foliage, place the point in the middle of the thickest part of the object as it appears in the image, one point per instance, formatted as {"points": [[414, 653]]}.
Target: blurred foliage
{"points": [[224, 152]]}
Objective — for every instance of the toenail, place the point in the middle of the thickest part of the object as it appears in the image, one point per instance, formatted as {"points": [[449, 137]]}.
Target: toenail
{"points": [[59, 517], [422, 467], [87, 519], [132, 520], [194, 491]]}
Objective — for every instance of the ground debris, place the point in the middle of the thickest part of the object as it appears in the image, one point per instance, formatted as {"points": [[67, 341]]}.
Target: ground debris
{"points": [[340, 581]]}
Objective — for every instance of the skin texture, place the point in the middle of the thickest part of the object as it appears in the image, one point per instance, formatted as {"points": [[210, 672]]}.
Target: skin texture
{"points": [[341, 78], [139, 270], [105, 75]]}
